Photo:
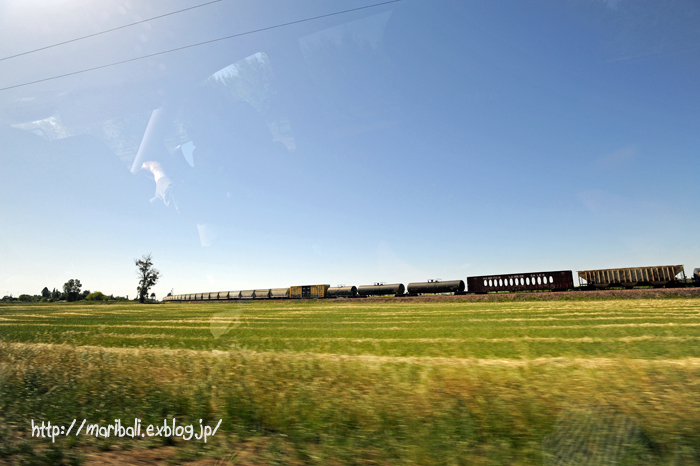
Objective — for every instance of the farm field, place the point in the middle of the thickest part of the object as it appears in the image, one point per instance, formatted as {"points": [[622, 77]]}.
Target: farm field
{"points": [[529, 330], [362, 382]]}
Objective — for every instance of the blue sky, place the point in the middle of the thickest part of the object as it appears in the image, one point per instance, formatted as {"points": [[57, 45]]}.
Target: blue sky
{"points": [[397, 143]]}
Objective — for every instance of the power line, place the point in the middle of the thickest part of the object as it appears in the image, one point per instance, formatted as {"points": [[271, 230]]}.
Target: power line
{"points": [[110, 30], [199, 44]]}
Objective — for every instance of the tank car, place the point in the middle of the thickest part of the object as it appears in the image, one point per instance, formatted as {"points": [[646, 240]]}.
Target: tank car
{"points": [[435, 286], [342, 292], [381, 290]]}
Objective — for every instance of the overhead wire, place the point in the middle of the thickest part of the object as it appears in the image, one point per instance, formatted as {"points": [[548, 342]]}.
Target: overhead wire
{"points": [[198, 44], [109, 30]]}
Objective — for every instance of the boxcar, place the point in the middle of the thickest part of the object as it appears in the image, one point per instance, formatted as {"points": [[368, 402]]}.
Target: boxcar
{"points": [[308, 291]]}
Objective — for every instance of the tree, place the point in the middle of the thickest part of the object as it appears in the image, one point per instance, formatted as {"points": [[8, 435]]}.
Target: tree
{"points": [[71, 289], [148, 276], [45, 293], [96, 296]]}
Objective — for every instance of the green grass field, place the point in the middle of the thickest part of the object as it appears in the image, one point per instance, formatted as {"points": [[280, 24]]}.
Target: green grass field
{"points": [[366, 382], [631, 328]]}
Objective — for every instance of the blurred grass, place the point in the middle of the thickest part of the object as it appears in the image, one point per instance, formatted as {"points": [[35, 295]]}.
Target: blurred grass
{"points": [[365, 383]]}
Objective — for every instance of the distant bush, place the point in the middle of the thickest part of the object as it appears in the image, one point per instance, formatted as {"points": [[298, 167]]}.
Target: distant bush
{"points": [[96, 296], [25, 298]]}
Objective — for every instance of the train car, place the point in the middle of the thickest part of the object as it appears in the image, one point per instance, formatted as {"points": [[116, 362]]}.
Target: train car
{"points": [[380, 289], [234, 295], [248, 294], [554, 281], [262, 294], [279, 293], [436, 286], [308, 291], [630, 277], [342, 292]]}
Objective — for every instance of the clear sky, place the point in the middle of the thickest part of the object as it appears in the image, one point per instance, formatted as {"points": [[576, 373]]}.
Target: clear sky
{"points": [[403, 142]]}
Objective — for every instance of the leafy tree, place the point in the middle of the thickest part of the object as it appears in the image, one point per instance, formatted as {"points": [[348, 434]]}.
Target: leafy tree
{"points": [[25, 298], [96, 296], [71, 289], [45, 293], [55, 294], [147, 274]]}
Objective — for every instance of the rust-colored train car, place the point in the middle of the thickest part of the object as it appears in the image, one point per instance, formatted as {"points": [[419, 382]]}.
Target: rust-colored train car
{"points": [[554, 281]]}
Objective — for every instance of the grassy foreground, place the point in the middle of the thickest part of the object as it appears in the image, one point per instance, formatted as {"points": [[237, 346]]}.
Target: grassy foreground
{"points": [[608, 382]]}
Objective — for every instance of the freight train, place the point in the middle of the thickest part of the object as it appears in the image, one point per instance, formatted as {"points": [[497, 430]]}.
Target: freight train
{"points": [[561, 280]]}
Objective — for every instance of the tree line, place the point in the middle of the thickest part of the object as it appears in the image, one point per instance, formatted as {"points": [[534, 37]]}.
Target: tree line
{"points": [[72, 289]]}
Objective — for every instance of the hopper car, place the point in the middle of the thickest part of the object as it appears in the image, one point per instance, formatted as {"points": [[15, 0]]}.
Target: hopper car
{"points": [[631, 277], [560, 280]]}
